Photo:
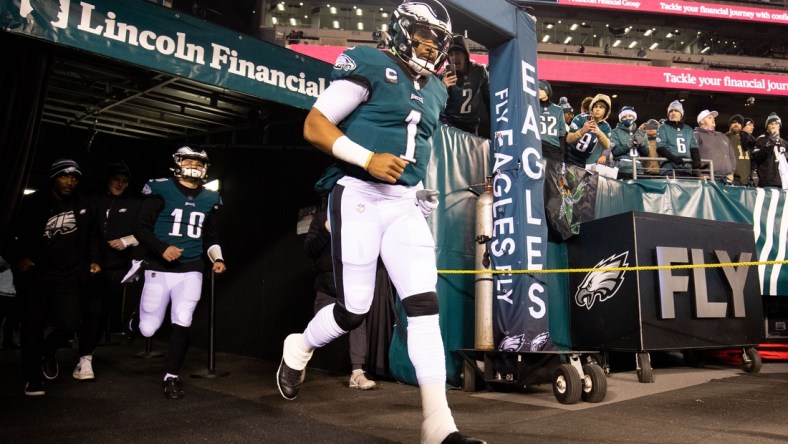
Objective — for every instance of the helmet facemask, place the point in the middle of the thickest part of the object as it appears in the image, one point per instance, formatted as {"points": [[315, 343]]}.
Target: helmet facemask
{"points": [[190, 172]]}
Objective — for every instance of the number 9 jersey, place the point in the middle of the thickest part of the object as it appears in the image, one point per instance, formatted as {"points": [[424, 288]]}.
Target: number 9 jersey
{"points": [[398, 117]]}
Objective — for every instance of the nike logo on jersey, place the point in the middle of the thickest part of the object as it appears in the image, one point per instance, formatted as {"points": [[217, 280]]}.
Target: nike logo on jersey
{"points": [[345, 63], [416, 97]]}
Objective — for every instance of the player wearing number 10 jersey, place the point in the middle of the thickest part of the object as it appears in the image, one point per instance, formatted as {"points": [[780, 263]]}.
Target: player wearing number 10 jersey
{"points": [[177, 222], [376, 118]]}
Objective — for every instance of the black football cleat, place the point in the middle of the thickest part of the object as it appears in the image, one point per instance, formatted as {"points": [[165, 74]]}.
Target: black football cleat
{"points": [[459, 438], [289, 381], [172, 388]]}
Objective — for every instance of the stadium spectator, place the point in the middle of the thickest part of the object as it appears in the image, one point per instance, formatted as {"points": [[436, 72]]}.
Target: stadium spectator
{"points": [[769, 155], [715, 146], [627, 143], [676, 142]]}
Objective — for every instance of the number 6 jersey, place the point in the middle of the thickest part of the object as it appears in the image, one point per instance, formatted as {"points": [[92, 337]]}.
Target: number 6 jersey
{"points": [[399, 117]]}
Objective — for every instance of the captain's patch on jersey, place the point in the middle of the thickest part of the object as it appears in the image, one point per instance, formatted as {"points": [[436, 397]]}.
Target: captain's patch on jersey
{"points": [[391, 76], [345, 63]]}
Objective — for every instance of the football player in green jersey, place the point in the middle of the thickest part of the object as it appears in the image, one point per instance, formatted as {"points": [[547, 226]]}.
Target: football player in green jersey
{"points": [[177, 220], [376, 118]]}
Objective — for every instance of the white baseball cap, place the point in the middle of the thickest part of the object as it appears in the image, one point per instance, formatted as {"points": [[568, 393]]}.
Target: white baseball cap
{"points": [[705, 113]]}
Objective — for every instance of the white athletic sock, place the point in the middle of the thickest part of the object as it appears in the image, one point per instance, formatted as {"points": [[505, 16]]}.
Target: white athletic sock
{"points": [[425, 349], [438, 422], [295, 352], [322, 329]]}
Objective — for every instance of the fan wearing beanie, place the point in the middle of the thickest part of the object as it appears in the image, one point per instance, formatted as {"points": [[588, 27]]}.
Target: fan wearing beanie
{"points": [[553, 127], [59, 251], [768, 156], [676, 142], [628, 142], [741, 143]]}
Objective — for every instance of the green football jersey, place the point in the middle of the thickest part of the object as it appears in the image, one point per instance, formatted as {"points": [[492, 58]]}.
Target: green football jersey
{"points": [[679, 141], [552, 125], [399, 117], [180, 221]]}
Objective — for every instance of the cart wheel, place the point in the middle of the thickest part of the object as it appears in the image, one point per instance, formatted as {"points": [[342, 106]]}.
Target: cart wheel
{"points": [[645, 373], [594, 383], [751, 360], [567, 386]]}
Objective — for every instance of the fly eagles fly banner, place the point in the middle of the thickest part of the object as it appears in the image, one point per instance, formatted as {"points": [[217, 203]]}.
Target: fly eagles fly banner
{"points": [[143, 34], [519, 231]]}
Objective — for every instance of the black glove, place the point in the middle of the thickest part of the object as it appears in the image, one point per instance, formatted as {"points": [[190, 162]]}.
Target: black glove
{"points": [[640, 137], [696, 165], [676, 160]]}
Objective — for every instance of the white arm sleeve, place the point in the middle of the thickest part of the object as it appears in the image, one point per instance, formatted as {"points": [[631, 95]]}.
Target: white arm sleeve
{"points": [[340, 99]]}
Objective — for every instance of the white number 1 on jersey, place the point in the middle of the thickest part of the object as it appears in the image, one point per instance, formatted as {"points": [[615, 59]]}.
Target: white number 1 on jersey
{"points": [[413, 120]]}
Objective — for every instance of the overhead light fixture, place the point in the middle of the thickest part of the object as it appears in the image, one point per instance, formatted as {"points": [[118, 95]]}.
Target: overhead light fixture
{"points": [[653, 46], [648, 32], [359, 12], [280, 7], [28, 191], [616, 43], [292, 21], [333, 10], [274, 20], [668, 35], [546, 38], [567, 39], [704, 50], [360, 26], [549, 25], [633, 44], [384, 27], [573, 27], [335, 24]]}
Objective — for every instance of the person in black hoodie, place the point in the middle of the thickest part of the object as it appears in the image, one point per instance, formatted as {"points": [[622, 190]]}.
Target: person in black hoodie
{"points": [[468, 85], [117, 217], [58, 251]]}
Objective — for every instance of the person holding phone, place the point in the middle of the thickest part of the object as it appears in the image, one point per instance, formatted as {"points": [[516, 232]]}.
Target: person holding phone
{"points": [[587, 139], [468, 84]]}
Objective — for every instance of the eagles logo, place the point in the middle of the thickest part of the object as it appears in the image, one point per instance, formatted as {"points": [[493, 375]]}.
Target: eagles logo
{"points": [[538, 343], [602, 284], [345, 63], [512, 343]]}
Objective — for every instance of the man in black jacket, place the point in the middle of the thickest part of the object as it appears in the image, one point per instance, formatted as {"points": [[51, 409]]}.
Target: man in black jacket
{"points": [[58, 253], [769, 153], [117, 217]]}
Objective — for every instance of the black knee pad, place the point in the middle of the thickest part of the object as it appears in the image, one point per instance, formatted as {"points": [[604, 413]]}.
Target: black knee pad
{"points": [[424, 304], [346, 320]]}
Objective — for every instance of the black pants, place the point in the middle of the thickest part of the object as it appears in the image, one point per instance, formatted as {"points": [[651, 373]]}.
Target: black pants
{"points": [[10, 313], [100, 305], [46, 299]]}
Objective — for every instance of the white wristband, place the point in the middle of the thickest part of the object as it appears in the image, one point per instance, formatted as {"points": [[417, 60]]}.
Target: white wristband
{"points": [[129, 240], [351, 152], [215, 253]]}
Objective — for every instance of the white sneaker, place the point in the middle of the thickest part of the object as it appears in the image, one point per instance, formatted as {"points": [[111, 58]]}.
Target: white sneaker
{"points": [[359, 381], [84, 369]]}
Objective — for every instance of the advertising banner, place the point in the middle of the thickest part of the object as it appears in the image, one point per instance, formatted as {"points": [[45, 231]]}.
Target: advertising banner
{"points": [[519, 241], [645, 76], [165, 40], [693, 9]]}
